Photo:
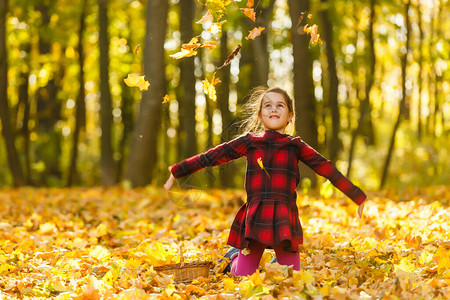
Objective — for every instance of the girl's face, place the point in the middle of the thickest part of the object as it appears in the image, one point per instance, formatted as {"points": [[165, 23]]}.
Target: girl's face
{"points": [[274, 112]]}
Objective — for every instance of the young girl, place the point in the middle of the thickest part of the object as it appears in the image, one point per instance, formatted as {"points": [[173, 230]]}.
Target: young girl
{"points": [[269, 218]]}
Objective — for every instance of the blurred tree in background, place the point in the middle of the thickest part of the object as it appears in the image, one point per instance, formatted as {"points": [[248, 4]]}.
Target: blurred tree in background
{"points": [[374, 96]]}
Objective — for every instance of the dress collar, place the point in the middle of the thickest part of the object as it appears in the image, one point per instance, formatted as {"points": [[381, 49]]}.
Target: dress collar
{"points": [[270, 133]]}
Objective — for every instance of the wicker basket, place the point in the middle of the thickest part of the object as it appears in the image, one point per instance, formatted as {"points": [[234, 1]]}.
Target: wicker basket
{"points": [[186, 272]]}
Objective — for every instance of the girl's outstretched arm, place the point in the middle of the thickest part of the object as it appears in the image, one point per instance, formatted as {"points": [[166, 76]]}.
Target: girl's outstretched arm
{"points": [[218, 155], [325, 168]]}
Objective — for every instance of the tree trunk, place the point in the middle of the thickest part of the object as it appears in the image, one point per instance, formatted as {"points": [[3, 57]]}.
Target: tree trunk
{"points": [[438, 76], [8, 133], [48, 108], [23, 112], [419, 79], [107, 161], [303, 85], [365, 105], [188, 140], [127, 121], [142, 157], [260, 70], [209, 114], [223, 95], [80, 108], [402, 103], [127, 115], [334, 143]]}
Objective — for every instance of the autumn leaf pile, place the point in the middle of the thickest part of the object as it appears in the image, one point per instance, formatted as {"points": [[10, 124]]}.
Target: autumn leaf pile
{"points": [[105, 243]]}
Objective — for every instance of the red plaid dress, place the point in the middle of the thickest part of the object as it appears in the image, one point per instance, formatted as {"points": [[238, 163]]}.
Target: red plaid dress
{"points": [[270, 215]]}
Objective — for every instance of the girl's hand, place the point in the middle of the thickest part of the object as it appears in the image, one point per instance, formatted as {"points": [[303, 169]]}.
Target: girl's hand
{"points": [[360, 210], [169, 181]]}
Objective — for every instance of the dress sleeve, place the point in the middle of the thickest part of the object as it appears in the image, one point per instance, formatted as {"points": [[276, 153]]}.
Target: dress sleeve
{"points": [[218, 155], [325, 168]]}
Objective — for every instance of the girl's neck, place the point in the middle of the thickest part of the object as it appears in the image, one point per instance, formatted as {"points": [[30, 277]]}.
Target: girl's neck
{"points": [[279, 130]]}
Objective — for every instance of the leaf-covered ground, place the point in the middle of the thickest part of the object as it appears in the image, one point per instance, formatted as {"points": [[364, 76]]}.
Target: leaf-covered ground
{"points": [[103, 243]]}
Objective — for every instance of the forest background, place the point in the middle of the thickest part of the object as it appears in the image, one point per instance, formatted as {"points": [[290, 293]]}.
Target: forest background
{"points": [[373, 96]]}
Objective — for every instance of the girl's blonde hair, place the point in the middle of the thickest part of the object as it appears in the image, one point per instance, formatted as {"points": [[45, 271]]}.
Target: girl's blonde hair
{"points": [[252, 108]]}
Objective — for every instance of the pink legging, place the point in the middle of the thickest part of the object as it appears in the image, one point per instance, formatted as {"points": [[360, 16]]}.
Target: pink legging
{"points": [[243, 265]]}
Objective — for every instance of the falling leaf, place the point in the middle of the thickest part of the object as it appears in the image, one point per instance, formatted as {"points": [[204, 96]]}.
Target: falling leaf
{"points": [[255, 32], [166, 99], [302, 15], [249, 12], [183, 53], [207, 17], [190, 49], [250, 3], [216, 27], [231, 57], [218, 7], [312, 30], [209, 44], [187, 50], [136, 49], [260, 163], [209, 87], [193, 44], [135, 80]]}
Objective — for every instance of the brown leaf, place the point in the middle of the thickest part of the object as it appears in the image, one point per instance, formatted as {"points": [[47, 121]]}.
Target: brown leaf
{"points": [[231, 57], [302, 15], [136, 49]]}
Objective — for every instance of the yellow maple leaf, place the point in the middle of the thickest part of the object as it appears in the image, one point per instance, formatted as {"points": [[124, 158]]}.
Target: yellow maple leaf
{"points": [[135, 80], [307, 277], [112, 275], [405, 265], [228, 284], [256, 278], [260, 163], [209, 87], [166, 99]]}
